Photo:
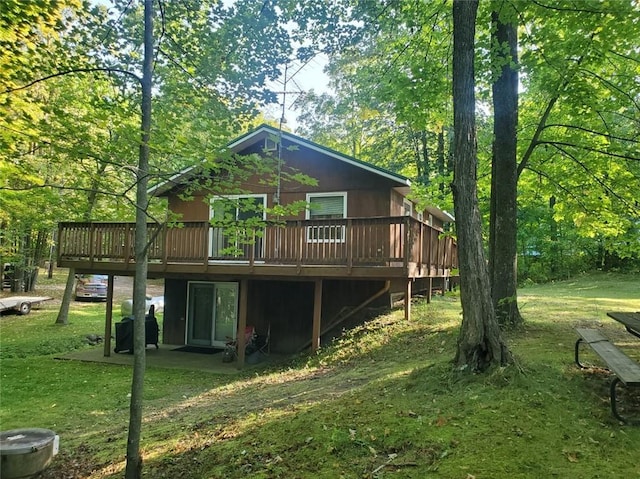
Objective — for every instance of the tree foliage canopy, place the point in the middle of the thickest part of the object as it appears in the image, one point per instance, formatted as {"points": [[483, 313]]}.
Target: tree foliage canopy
{"points": [[70, 96], [579, 108]]}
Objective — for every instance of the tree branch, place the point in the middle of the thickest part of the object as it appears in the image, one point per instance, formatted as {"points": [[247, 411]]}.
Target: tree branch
{"points": [[593, 132], [558, 144], [536, 136], [566, 190], [604, 186], [71, 72], [564, 9]]}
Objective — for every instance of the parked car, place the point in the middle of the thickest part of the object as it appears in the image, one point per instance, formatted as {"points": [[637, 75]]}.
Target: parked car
{"points": [[126, 307], [91, 287]]}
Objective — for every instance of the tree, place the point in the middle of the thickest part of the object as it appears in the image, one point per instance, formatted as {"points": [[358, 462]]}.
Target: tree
{"points": [[504, 165], [480, 344], [134, 458]]}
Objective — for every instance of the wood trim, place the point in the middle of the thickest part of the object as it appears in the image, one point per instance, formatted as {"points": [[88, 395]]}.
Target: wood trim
{"points": [[317, 315], [108, 323], [407, 301], [242, 321]]}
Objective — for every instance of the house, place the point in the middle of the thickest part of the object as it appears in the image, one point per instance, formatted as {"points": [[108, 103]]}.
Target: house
{"points": [[235, 259]]}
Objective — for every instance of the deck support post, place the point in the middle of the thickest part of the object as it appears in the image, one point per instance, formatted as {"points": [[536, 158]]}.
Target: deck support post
{"points": [[242, 321], [317, 314], [108, 317], [407, 301], [429, 290]]}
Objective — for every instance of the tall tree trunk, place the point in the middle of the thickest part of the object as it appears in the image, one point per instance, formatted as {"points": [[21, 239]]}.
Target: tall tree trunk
{"points": [[504, 167], [553, 233], [92, 199], [63, 313], [480, 343], [441, 161], [425, 171], [134, 458]]}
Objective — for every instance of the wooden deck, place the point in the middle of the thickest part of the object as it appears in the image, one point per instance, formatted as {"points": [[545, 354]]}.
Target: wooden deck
{"points": [[384, 247]]}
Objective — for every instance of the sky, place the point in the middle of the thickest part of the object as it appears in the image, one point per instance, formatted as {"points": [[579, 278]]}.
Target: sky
{"points": [[301, 79]]}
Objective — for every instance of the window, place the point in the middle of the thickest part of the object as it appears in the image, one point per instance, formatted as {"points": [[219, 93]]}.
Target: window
{"points": [[270, 144], [407, 207], [326, 206], [235, 219]]}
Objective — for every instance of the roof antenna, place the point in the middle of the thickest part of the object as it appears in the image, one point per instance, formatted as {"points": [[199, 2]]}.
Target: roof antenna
{"points": [[283, 120]]}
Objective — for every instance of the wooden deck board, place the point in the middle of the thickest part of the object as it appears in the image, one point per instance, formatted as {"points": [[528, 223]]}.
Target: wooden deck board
{"points": [[627, 370]]}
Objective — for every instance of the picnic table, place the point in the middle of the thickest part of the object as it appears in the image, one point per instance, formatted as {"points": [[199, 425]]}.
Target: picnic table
{"points": [[631, 321], [626, 371]]}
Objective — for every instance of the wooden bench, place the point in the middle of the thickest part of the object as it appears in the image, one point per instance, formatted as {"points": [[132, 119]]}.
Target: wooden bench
{"points": [[626, 370]]}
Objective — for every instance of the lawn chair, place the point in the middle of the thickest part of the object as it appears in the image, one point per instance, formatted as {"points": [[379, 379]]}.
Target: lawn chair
{"points": [[231, 345], [262, 342]]}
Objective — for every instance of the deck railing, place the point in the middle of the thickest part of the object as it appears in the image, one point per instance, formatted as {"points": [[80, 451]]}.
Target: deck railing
{"points": [[384, 241]]}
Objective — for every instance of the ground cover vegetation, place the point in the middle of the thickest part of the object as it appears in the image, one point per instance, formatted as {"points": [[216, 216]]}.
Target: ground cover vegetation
{"points": [[383, 401]]}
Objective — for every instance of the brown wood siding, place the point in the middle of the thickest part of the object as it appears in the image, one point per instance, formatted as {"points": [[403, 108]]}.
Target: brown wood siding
{"points": [[193, 210], [287, 306], [368, 194], [397, 205], [284, 306], [175, 313]]}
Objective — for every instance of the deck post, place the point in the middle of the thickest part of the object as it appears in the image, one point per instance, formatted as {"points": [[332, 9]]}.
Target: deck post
{"points": [[242, 322], [317, 314], [92, 231], [407, 301], [206, 233], [108, 317], [430, 286], [421, 247]]}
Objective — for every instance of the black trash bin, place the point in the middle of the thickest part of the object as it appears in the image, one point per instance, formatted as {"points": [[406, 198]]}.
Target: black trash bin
{"points": [[124, 335], [124, 332]]}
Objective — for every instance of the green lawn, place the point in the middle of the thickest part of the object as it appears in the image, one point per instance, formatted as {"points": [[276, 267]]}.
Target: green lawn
{"points": [[382, 402]]}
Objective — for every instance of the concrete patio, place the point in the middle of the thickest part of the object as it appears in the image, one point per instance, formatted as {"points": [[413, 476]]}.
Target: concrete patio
{"points": [[168, 357]]}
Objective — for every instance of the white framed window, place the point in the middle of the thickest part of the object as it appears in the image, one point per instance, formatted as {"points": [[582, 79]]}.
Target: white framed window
{"points": [[407, 207], [270, 144], [326, 206]]}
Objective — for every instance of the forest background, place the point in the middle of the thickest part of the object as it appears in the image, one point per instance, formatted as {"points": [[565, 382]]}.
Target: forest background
{"points": [[69, 144]]}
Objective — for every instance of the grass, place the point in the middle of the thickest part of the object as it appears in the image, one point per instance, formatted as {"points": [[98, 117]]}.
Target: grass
{"points": [[384, 401]]}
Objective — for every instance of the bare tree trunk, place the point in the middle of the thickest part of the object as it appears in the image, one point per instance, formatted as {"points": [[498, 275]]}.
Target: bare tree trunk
{"points": [[134, 458], [480, 343], [441, 160], [504, 167], [63, 314]]}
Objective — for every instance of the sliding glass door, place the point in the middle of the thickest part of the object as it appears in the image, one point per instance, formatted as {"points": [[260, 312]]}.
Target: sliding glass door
{"points": [[212, 313]]}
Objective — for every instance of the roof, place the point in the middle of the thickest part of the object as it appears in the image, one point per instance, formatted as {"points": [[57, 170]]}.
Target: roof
{"points": [[246, 140]]}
